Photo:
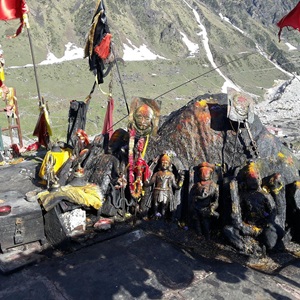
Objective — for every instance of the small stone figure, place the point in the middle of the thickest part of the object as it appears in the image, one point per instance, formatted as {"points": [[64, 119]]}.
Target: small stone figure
{"points": [[81, 149], [50, 176], [205, 199], [275, 186], [293, 210], [254, 224], [164, 183], [81, 144]]}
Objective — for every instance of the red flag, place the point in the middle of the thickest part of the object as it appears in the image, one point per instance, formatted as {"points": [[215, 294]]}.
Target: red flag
{"points": [[292, 19], [108, 121], [12, 9]]}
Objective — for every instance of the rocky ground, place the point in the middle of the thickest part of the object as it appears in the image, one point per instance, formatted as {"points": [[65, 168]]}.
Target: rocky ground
{"points": [[280, 112]]}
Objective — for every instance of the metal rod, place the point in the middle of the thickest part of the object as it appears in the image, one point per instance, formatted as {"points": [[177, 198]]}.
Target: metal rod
{"points": [[34, 67], [112, 48], [235, 143]]}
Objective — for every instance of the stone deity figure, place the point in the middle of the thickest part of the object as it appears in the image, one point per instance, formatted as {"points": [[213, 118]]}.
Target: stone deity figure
{"points": [[165, 183], [205, 199], [254, 228], [143, 117]]}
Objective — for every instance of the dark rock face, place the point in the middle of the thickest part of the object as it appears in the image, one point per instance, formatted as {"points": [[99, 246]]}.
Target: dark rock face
{"points": [[201, 131]]}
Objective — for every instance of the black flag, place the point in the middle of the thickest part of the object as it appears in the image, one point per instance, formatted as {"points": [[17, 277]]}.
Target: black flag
{"points": [[97, 47]]}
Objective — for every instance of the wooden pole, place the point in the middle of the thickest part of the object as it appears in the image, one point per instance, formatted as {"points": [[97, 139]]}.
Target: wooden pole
{"points": [[25, 18], [34, 68]]}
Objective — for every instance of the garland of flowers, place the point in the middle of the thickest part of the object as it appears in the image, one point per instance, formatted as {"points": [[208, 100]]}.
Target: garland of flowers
{"points": [[132, 133], [139, 169]]}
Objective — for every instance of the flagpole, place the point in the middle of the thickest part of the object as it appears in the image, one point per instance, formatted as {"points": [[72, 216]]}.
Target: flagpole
{"points": [[25, 18]]}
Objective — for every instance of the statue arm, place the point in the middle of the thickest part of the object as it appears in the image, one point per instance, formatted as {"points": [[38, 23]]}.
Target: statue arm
{"points": [[152, 180], [270, 208], [215, 203], [178, 185], [236, 213]]}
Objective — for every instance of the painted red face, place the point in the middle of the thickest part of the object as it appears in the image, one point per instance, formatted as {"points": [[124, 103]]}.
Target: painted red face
{"points": [[205, 173], [143, 117]]}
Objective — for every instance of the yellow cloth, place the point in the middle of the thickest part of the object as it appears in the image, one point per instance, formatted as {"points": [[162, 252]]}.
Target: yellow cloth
{"points": [[60, 159], [88, 195], [47, 118], [2, 76], [11, 96]]}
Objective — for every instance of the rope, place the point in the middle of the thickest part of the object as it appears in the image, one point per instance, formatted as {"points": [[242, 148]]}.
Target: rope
{"points": [[176, 87], [229, 62]]}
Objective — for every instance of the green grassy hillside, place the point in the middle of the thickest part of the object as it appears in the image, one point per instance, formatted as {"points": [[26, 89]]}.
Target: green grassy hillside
{"points": [[159, 25]]}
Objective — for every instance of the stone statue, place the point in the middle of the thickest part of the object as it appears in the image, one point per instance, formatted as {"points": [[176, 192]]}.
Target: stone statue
{"points": [[205, 199], [162, 200], [144, 116], [254, 229]]}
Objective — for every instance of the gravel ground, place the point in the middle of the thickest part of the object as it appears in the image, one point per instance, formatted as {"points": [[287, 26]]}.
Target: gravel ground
{"points": [[280, 111]]}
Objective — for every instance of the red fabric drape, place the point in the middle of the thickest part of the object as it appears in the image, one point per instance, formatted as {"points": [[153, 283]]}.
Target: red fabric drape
{"points": [[103, 49], [12, 9], [41, 130], [108, 121], [292, 19]]}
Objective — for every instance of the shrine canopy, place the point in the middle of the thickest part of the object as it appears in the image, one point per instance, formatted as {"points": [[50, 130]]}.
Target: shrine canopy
{"points": [[292, 19]]}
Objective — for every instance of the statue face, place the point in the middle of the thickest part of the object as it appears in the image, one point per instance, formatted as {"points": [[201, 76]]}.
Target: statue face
{"points": [[253, 183], [143, 117], [165, 164], [205, 173]]}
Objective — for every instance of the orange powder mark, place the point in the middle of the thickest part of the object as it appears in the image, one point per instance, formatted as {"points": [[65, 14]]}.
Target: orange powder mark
{"points": [[290, 161], [242, 99], [252, 170], [202, 113], [145, 110], [203, 116]]}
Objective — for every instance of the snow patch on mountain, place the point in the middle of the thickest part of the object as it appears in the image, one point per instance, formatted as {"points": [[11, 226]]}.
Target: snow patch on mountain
{"points": [[133, 53], [193, 48], [205, 42], [72, 52]]}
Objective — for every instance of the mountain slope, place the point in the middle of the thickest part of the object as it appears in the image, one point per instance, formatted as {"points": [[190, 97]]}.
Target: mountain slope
{"points": [[234, 41]]}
